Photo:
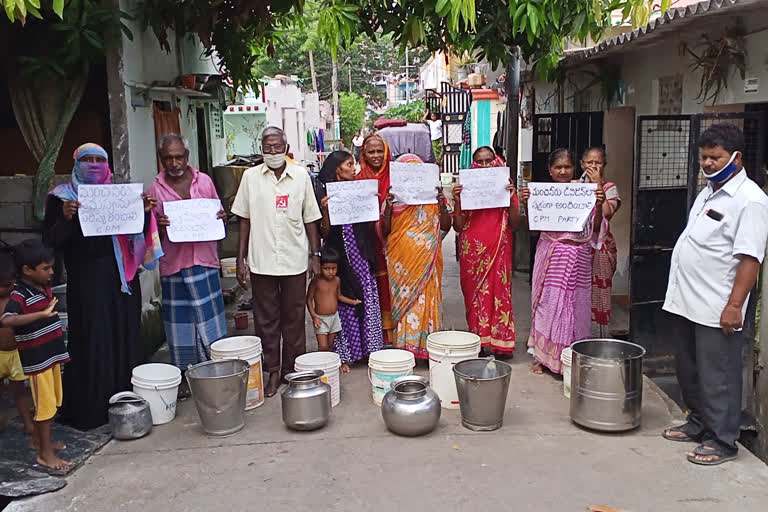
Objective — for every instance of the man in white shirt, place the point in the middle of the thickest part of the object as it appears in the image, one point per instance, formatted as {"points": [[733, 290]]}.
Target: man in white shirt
{"points": [[714, 267], [357, 145], [278, 234], [435, 134]]}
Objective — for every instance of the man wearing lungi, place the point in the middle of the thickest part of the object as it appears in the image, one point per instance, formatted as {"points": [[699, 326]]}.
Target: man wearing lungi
{"points": [[193, 306], [280, 238]]}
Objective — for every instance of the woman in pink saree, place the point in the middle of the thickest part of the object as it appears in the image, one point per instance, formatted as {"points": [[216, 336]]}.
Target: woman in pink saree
{"points": [[562, 275]]}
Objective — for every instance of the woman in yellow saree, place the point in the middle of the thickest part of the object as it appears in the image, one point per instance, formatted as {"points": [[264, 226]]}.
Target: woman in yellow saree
{"points": [[414, 236]]}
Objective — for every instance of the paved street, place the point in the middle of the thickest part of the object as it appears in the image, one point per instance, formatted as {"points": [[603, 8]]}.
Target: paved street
{"points": [[538, 461]]}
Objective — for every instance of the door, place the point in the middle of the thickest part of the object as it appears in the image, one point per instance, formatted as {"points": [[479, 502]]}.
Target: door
{"points": [[455, 105], [667, 180]]}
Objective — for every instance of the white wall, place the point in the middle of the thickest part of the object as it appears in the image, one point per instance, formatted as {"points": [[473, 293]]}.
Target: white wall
{"points": [[144, 62], [285, 109]]}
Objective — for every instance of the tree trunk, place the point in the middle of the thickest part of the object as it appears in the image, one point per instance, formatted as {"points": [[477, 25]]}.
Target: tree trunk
{"points": [[335, 92], [312, 71]]}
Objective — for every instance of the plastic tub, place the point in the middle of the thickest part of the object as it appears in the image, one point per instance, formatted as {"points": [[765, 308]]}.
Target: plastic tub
{"points": [[329, 363], [158, 384], [446, 348], [384, 366], [247, 348]]}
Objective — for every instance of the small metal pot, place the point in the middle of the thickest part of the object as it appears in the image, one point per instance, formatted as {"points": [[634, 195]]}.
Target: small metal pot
{"points": [[411, 407], [129, 416], [306, 401]]}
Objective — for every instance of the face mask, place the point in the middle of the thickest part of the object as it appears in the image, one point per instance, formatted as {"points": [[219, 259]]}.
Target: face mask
{"points": [[274, 161], [724, 173], [94, 172]]}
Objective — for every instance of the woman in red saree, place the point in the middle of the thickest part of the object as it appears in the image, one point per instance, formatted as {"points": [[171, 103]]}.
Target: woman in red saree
{"points": [[486, 242], [374, 165]]}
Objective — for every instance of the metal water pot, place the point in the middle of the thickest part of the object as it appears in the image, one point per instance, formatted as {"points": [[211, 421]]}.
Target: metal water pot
{"points": [[306, 401], [129, 416], [411, 407]]}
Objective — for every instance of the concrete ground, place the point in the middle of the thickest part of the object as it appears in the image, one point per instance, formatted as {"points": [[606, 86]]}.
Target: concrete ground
{"points": [[538, 461]]}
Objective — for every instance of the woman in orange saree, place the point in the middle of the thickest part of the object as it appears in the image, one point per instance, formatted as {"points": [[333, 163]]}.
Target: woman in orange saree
{"points": [[414, 253], [486, 243], [374, 165]]}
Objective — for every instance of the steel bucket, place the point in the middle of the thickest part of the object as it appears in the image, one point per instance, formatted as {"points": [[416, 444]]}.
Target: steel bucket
{"points": [[606, 384], [218, 390], [482, 385]]}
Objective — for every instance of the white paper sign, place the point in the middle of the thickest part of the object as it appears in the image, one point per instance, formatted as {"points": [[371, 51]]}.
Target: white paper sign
{"points": [[560, 206], [194, 220], [484, 187], [115, 209], [350, 202], [414, 183]]}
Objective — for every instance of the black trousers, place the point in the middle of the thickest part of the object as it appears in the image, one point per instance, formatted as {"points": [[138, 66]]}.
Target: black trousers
{"points": [[709, 370]]}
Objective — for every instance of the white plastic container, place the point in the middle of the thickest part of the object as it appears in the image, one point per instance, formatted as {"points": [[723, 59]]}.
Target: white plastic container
{"points": [[329, 362], [565, 358], [247, 348], [384, 366], [229, 267], [158, 384], [446, 348]]}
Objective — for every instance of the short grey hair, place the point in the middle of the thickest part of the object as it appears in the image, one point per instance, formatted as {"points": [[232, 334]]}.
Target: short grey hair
{"points": [[274, 130], [172, 137]]}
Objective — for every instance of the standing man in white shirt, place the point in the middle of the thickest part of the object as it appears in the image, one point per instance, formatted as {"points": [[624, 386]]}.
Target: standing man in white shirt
{"points": [[714, 267], [279, 239], [357, 145], [435, 133]]}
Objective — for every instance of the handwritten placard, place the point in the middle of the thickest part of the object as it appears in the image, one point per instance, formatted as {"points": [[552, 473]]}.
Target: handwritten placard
{"points": [[194, 220], [115, 209], [560, 206], [350, 202], [414, 183], [485, 187]]}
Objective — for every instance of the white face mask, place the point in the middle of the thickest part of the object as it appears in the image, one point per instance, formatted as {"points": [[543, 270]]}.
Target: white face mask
{"points": [[274, 161]]}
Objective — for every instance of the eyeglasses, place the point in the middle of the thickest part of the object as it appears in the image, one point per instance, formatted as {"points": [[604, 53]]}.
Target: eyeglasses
{"points": [[273, 149]]}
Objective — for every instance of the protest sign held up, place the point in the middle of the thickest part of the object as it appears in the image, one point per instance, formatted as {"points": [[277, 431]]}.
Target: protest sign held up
{"points": [[484, 188], [194, 220], [560, 206], [414, 183], [114, 209], [350, 202]]}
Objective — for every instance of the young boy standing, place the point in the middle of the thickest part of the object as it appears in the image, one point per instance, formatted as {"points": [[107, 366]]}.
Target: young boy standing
{"points": [[323, 297], [37, 331], [10, 364]]}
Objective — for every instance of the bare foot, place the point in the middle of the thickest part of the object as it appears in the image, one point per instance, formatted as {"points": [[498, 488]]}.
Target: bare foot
{"points": [[57, 445], [537, 369], [53, 462], [344, 368]]}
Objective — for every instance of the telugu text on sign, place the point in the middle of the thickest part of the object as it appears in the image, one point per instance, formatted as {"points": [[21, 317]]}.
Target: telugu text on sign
{"points": [[114, 209], [560, 206]]}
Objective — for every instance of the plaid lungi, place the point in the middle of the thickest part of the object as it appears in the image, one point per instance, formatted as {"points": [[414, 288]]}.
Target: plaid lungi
{"points": [[193, 314]]}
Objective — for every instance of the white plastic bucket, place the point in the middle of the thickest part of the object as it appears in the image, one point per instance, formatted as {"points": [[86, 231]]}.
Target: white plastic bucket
{"points": [[384, 366], [446, 348], [247, 348], [329, 362], [158, 384], [229, 267], [565, 358]]}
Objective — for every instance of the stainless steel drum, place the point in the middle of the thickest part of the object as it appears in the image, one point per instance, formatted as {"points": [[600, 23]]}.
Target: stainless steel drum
{"points": [[607, 384]]}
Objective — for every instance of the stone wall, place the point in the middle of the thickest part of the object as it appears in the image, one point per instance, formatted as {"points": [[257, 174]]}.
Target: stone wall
{"points": [[17, 221]]}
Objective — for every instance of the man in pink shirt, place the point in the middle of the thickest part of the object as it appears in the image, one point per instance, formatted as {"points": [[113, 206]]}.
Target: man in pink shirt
{"points": [[193, 306]]}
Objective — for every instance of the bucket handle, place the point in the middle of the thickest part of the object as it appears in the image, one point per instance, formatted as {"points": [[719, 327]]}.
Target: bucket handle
{"points": [[447, 352]]}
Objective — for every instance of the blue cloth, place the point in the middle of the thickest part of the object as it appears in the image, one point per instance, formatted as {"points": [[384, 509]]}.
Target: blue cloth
{"points": [[193, 314], [483, 123]]}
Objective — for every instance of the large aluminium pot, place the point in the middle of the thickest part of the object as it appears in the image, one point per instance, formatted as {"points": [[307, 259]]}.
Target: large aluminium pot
{"points": [[606, 384], [411, 407], [306, 401]]}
